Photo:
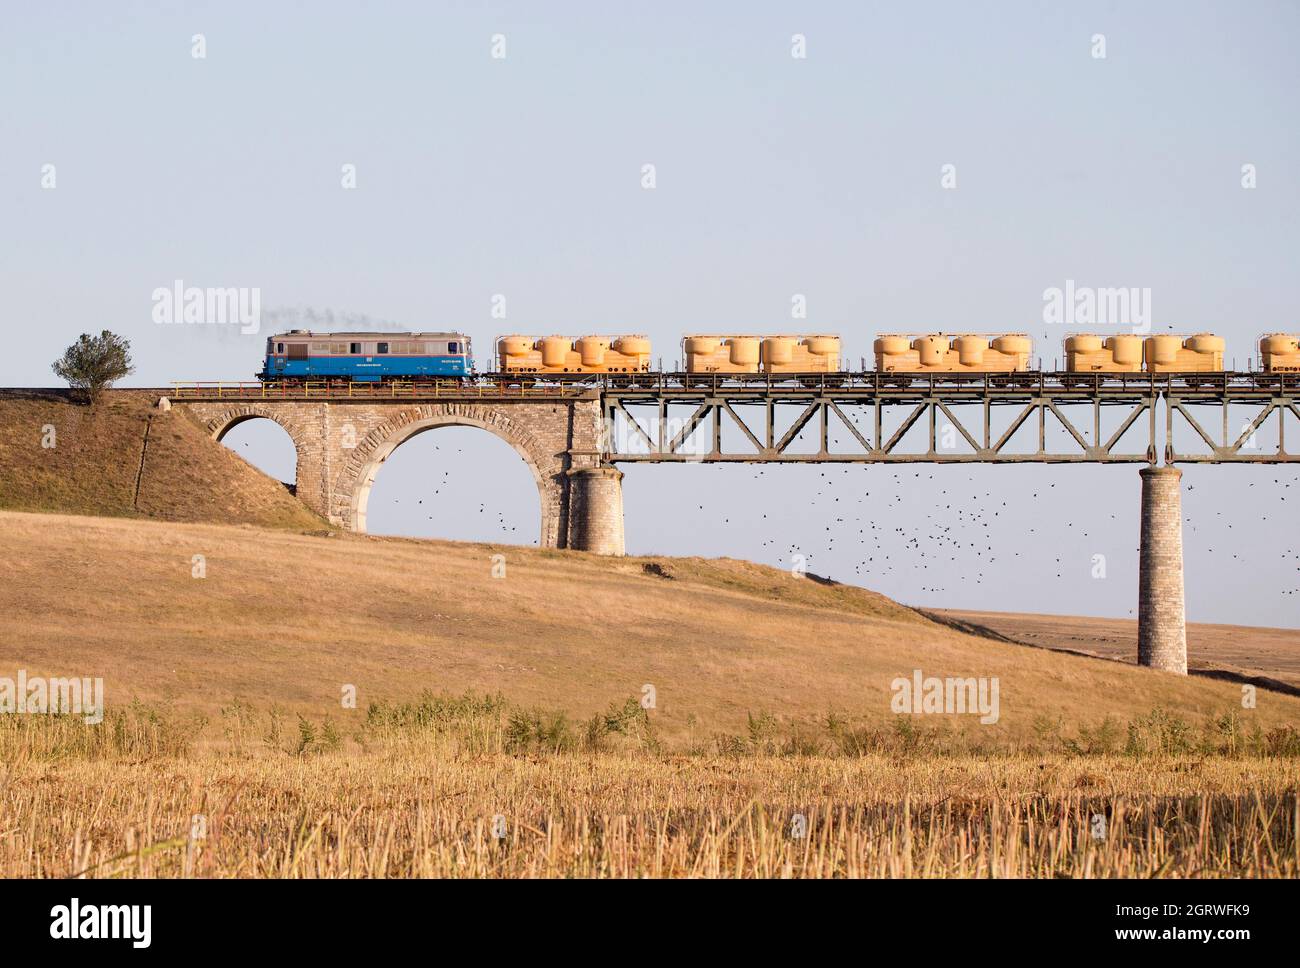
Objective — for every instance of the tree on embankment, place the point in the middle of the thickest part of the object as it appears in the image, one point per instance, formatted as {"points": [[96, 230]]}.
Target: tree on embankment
{"points": [[94, 363]]}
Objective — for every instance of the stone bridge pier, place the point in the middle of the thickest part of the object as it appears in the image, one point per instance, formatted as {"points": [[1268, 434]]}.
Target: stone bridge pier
{"points": [[342, 444], [1162, 627]]}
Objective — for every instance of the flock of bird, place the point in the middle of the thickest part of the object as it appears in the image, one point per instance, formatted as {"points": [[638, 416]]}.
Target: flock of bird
{"points": [[918, 535]]}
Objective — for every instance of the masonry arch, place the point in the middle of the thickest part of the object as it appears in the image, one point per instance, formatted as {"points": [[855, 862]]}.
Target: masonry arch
{"points": [[224, 422], [267, 460], [358, 477]]}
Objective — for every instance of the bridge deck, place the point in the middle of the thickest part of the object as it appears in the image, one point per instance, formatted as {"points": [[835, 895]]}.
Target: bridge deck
{"points": [[1130, 385], [845, 414]]}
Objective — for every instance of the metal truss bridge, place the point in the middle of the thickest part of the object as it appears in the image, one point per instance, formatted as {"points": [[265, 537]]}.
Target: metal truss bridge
{"points": [[954, 418]]}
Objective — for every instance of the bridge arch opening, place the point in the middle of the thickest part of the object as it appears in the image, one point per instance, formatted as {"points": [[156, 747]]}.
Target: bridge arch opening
{"points": [[264, 442], [458, 484]]}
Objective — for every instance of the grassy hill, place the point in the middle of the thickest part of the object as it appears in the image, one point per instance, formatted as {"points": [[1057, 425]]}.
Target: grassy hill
{"points": [[100, 464], [290, 619]]}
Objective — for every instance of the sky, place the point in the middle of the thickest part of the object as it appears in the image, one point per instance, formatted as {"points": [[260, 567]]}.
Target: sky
{"points": [[921, 167]]}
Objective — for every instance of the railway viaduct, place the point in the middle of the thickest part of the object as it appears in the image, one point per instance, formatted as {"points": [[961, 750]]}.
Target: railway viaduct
{"points": [[341, 445], [572, 437]]}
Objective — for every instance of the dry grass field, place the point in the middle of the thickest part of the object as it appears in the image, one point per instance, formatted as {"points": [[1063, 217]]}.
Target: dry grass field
{"points": [[404, 813], [497, 729]]}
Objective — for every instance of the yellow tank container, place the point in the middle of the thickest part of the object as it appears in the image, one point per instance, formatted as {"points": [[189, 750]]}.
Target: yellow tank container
{"points": [[888, 347], [970, 350], [721, 354], [1201, 353], [1280, 353], [767, 354], [778, 353], [591, 352], [823, 345], [963, 353], [555, 352], [633, 346], [743, 352], [1087, 353], [1126, 350], [801, 354], [1014, 345], [564, 354], [512, 350], [932, 351]]}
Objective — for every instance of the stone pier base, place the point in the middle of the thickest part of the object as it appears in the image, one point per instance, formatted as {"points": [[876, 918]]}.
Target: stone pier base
{"points": [[1162, 629], [596, 510]]}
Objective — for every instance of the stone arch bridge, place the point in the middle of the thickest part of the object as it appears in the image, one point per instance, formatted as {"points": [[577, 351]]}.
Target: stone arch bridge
{"points": [[341, 445]]}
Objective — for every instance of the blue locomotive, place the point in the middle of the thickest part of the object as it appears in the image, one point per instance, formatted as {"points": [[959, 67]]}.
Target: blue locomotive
{"points": [[301, 354]]}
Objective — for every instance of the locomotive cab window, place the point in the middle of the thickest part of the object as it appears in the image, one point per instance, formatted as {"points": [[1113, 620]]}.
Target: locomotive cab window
{"points": [[279, 348], [356, 349], [453, 347], [382, 348]]}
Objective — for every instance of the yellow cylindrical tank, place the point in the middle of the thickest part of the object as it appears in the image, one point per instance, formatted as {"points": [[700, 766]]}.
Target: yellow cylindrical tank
{"points": [[1279, 343], [778, 350], [1280, 353], [970, 350], [632, 345], [702, 345], [509, 346], [1125, 350], [823, 345], [743, 350], [1207, 343], [892, 345], [1163, 350], [591, 350], [555, 350], [1083, 343], [1013, 344], [931, 349]]}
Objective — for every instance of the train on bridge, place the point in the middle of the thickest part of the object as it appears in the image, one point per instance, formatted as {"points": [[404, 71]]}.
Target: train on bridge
{"points": [[302, 355]]}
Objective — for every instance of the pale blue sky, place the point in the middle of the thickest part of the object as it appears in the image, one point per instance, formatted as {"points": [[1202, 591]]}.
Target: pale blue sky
{"points": [[775, 176]]}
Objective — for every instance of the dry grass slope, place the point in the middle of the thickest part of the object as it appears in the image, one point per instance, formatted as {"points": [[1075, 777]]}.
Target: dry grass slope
{"points": [[101, 465], [291, 619]]}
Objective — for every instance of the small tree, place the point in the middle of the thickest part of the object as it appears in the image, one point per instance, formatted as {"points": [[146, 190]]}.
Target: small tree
{"points": [[94, 363]]}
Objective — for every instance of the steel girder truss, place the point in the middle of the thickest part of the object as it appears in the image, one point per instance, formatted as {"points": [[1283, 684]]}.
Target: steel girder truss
{"points": [[828, 412], [666, 440], [1238, 441]]}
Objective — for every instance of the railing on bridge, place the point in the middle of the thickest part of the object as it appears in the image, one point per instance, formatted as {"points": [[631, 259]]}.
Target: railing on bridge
{"points": [[873, 381], [387, 390], [870, 382]]}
